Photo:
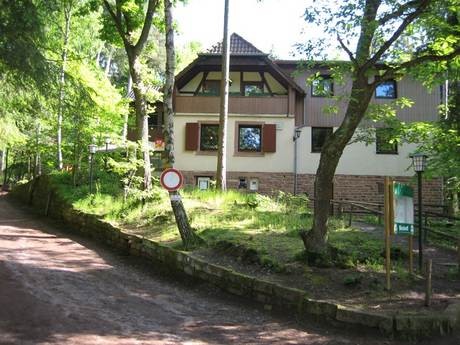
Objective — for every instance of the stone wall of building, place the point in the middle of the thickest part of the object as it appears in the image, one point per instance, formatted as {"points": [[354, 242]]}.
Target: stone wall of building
{"points": [[367, 188]]}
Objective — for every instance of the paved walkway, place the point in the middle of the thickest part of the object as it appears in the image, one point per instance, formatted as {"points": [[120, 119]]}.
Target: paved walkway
{"points": [[57, 290]]}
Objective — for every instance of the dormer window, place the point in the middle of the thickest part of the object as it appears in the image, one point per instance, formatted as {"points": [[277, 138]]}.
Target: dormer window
{"points": [[253, 88], [386, 89], [323, 86], [211, 88]]}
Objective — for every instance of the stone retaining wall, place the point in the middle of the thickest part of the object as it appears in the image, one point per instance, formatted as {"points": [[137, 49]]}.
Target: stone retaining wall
{"points": [[270, 295]]}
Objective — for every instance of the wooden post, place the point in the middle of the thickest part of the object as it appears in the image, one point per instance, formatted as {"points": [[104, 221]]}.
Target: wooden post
{"points": [[48, 203], [388, 223], [429, 266], [350, 215], [340, 211], [411, 255], [379, 215], [458, 254]]}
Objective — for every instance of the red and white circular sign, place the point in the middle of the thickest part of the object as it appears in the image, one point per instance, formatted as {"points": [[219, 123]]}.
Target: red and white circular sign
{"points": [[171, 179]]}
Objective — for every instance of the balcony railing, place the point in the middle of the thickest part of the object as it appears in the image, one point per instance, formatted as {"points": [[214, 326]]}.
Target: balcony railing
{"points": [[236, 104]]}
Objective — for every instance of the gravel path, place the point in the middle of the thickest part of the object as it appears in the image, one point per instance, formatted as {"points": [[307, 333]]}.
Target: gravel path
{"points": [[60, 290]]}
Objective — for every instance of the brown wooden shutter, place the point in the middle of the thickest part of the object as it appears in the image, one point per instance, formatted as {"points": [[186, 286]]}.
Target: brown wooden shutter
{"points": [[191, 136], [269, 138]]}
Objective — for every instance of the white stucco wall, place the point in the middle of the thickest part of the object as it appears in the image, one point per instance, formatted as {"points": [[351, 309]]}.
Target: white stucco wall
{"points": [[357, 159], [279, 161]]}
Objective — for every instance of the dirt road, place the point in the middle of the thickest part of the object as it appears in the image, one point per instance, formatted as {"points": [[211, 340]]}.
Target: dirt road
{"points": [[60, 290]]}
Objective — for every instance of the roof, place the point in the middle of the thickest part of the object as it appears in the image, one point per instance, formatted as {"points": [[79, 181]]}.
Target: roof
{"points": [[311, 63], [239, 49], [238, 46]]}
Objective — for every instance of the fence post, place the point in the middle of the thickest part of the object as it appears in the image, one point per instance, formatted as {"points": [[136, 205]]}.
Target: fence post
{"points": [[350, 215], [425, 232], [379, 215], [411, 254], [340, 210]]}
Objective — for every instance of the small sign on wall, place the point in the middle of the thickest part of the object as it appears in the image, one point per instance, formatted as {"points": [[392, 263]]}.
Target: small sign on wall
{"points": [[159, 145], [203, 182], [253, 184]]}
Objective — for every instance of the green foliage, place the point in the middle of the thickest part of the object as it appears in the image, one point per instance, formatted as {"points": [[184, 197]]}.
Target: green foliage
{"points": [[22, 33], [352, 280], [356, 247]]}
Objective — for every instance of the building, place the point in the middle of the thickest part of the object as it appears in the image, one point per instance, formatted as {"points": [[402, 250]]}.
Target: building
{"points": [[278, 123]]}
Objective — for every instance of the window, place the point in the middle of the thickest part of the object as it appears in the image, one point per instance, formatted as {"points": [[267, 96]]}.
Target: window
{"points": [[318, 137], [323, 86], [386, 89], [384, 141], [208, 137], [253, 88], [211, 88], [250, 138], [153, 120]]}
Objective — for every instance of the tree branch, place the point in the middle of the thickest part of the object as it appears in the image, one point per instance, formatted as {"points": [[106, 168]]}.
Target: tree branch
{"points": [[406, 22], [399, 12], [367, 31], [147, 25], [348, 51], [391, 72], [117, 20]]}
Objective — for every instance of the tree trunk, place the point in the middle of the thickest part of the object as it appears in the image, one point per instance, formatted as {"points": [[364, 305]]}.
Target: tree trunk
{"points": [[1, 161], [221, 174], [124, 134], [315, 241], [108, 62], [38, 160], [168, 111], [68, 16], [140, 104], [126, 29], [188, 236], [5, 172]]}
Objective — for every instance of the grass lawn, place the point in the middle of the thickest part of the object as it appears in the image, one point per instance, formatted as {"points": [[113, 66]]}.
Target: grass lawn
{"points": [[267, 225]]}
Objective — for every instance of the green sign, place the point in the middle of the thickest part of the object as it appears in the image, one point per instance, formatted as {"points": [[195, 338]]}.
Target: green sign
{"points": [[403, 209]]}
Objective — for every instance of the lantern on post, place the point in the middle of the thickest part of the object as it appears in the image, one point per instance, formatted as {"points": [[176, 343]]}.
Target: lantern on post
{"points": [[107, 142], [419, 161], [92, 151]]}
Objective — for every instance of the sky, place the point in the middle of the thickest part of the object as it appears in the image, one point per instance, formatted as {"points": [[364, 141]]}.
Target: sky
{"points": [[270, 25]]}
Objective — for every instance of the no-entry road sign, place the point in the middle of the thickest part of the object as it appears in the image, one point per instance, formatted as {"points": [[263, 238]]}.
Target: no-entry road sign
{"points": [[171, 179]]}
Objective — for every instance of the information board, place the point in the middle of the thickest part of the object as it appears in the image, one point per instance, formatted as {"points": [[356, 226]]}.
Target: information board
{"points": [[403, 209]]}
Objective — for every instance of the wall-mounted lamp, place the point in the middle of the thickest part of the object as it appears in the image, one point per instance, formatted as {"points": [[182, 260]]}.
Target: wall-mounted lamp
{"points": [[297, 134]]}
